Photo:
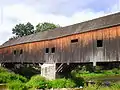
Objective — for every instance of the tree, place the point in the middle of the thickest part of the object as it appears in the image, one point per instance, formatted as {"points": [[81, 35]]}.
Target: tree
{"points": [[45, 26], [23, 29]]}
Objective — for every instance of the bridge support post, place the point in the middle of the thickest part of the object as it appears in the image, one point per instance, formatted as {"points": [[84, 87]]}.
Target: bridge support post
{"points": [[0, 64], [94, 63], [48, 71]]}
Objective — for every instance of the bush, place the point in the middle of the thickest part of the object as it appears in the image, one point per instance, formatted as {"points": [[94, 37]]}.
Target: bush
{"points": [[62, 83], [6, 77], [3, 69], [98, 69], [79, 81], [116, 71], [108, 72], [37, 82], [16, 85], [116, 85], [70, 83]]}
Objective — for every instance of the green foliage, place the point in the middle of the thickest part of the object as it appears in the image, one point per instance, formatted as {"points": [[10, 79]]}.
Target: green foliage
{"points": [[89, 68], [3, 69], [37, 82], [116, 71], [49, 84], [116, 85], [28, 72], [98, 73], [26, 29], [79, 70], [98, 69], [16, 85], [23, 29], [79, 81], [45, 26], [108, 72], [63, 83], [6, 77]]}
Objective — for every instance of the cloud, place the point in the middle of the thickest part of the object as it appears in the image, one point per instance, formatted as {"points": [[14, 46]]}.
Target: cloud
{"points": [[45, 12]]}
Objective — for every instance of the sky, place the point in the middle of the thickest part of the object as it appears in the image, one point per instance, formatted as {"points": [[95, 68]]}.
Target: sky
{"points": [[62, 12]]}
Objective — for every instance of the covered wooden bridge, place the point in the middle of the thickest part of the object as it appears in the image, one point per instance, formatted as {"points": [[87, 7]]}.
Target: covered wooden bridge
{"points": [[96, 40]]}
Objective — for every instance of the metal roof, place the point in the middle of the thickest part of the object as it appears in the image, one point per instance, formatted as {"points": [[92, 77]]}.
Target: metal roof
{"points": [[98, 23]]}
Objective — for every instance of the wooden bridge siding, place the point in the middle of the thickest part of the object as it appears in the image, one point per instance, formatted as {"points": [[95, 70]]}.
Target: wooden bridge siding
{"points": [[25, 54], [1, 54], [72, 46], [98, 51], [118, 43], [106, 43], [113, 44], [63, 51], [83, 51]]}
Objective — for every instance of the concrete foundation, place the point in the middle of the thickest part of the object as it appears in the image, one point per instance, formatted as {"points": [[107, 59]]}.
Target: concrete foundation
{"points": [[48, 71], [94, 63]]}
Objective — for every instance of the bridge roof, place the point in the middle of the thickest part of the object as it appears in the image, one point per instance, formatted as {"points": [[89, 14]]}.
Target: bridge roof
{"points": [[98, 23]]}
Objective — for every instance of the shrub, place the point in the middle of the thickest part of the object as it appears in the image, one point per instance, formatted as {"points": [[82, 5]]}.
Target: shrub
{"points": [[16, 85], [98, 69], [108, 72], [79, 81], [3, 69], [49, 84], [90, 68], [58, 83], [116, 71], [37, 82], [62, 83], [6, 77], [17, 77], [70, 83], [116, 85]]}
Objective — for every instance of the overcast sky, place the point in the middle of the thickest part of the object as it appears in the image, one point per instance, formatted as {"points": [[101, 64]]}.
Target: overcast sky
{"points": [[62, 12]]}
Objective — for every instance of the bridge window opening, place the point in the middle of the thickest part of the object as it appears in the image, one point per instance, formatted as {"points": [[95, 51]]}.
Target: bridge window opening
{"points": [[14, 52], [74, 40], [21, 51], [47, 50], [53, 50], [99, 43]]}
